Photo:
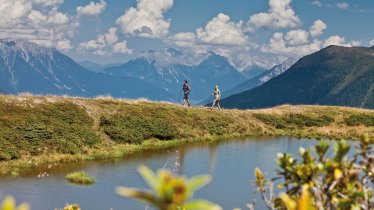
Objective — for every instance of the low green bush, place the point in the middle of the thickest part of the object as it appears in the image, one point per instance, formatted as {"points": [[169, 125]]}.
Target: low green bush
{"points": [[360, 119], [218, 125], [44, 128], [271, 120], [298, 120], [136, 128]]}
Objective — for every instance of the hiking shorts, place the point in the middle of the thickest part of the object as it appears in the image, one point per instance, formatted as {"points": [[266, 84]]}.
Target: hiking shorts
{"points": [[185, 97]]}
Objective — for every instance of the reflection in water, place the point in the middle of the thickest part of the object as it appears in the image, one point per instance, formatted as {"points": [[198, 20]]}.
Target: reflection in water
{"points": [[179, 162], [212, 158], [231, 163]]}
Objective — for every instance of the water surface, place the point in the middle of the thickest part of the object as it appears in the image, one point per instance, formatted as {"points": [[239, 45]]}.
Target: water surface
{"points": [[231, 163]]}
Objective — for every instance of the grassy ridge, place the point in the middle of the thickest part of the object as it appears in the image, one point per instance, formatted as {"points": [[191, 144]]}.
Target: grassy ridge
{"points": [[49, 129]]}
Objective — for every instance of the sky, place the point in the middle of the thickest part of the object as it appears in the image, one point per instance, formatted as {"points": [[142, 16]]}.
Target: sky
{"points": [[248, 32]]}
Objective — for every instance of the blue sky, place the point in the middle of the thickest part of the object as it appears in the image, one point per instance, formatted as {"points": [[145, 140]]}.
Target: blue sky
{"points": [[248, 32]]}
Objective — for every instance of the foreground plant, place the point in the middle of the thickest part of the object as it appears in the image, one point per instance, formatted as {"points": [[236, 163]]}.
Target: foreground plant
{"points": [[71, 207], [170, 192], [323, 182], [9, 203]]}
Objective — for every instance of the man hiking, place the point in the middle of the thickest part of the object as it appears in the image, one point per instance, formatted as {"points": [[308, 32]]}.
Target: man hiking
{"points": [[217, 98], [186, 90]]}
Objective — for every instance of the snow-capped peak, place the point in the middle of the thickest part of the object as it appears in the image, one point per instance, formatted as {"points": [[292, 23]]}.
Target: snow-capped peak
{"points": [[170, 56], [278, 69], [26, 49]]}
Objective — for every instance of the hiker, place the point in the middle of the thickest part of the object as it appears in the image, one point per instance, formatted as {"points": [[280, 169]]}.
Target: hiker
{"points": [[186, 90], [217, 98]]}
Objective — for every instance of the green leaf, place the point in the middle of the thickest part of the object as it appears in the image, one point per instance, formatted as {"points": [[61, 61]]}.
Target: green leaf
{"points": [[198, 182], [146, 197], [199, 204], [149, 177]]}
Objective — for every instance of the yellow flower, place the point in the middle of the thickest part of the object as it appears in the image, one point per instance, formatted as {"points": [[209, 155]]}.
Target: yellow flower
{"points": [[338, 174], [10, 204]]}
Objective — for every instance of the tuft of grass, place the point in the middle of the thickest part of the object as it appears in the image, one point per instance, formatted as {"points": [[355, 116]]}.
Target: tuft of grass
{"points": [[80, 177]]}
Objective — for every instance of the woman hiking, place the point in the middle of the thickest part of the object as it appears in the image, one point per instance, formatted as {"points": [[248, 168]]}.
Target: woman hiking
{"points": [[217, 98]]}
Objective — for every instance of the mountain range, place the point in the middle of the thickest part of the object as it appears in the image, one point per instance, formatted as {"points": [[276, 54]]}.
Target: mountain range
{"points": [[27, 67], [157, 75], [169, 67], [332, 76], [95, 67], [335, 75], [256, 81]]}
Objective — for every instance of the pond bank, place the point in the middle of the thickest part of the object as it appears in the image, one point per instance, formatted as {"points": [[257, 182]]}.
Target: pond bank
{"points": [[47, 129]]}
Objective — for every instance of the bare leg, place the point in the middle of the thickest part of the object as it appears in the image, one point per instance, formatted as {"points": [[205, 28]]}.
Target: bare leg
{"points": [[214, 103]]}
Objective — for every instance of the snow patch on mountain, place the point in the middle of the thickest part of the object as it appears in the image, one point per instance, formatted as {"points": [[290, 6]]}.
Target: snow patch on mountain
{"points": [[278, 69], [169, 56]]}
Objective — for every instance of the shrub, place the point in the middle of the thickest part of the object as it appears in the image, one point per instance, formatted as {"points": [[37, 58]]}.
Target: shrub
{"points": [[135, 128], [323, 182], [360, 119], [41, 128], [271, 120], [218, 125], [298, 120]]}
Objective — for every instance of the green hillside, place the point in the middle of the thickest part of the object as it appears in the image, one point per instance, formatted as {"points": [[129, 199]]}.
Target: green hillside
{"points": [[335, 75], [48, 129]]}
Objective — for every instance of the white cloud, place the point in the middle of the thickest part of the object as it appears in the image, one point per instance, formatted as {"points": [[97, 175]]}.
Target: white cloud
{"points": [[317, 28], [92, 9], [280, 15], [371, 42], [278, 46], [147, 19], [38, 21], [222, 31], [121, 47], [63, 45], [48, 2], [335, 40], [57, 18], [317, 3], [11, 12], [342, 5], [37, 17], [297, 37], [105, 44], [111, 37], [182, 39]]}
